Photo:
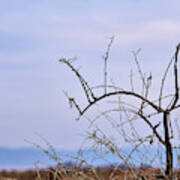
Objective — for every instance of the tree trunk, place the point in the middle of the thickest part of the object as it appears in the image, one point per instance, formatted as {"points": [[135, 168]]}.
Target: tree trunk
{"points": [[168, 146]]}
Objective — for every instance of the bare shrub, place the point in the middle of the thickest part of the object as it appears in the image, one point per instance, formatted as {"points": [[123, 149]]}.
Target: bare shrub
{"points": [[127, 107]]}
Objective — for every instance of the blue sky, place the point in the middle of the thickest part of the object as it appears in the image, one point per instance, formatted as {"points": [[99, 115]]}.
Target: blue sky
{"points": [[35, 34]]}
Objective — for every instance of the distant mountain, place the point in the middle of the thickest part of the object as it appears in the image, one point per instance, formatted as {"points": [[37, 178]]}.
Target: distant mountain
{"points": [[20, 157], [25, 158]]}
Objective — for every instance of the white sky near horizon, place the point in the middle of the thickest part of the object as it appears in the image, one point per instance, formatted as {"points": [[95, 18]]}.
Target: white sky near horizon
{"points": [[35, 34]]}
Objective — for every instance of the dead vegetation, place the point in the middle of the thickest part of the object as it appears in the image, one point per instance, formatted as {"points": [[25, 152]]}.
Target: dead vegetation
{"points": [[85, 174], [132, 105]]}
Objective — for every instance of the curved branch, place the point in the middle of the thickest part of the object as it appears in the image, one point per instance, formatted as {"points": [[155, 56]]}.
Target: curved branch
{"points": [[176, 95], [144, 117], [163, 80], [128, 93], [152, 127], [84, 83]]}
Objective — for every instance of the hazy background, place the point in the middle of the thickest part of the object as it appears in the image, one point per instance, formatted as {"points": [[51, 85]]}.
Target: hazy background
{"points": [[35, 34]]}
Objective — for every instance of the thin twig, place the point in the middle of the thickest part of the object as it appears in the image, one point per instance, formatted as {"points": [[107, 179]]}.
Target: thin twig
{"points": [[105, 63], [138, 66], [84, 83], [163, 80]]}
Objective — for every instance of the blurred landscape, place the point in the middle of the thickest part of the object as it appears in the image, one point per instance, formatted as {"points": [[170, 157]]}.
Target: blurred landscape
{"points": [[31, 158], [35, 87], [34, 163]]}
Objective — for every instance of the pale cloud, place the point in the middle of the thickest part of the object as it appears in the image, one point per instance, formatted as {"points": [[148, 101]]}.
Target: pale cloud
{"points": [[155, 33], [33, 35], [84, 31], [160, 32]]}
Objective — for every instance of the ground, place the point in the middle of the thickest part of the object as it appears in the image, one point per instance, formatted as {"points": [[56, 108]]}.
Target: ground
{"points": [[85, 174]]}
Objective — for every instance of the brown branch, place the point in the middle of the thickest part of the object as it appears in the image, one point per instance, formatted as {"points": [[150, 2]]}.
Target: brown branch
{"points": [[105, 63], [176, 107], [163, 80], [168, 145], [73, 102], [142, 117], [147, 87], [128, 93], [145, 84], [138, 66], [176, 95], [84, 84], [152, 127]]}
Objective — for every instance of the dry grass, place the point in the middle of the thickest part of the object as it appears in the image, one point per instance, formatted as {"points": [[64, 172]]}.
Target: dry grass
{"points": [[85, 174]]}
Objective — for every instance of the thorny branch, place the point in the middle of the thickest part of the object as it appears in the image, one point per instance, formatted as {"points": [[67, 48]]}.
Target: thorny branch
{"points": [[163, 81], [142, 116], [176, 96], [73, 102], [143, 98], [128, 93], [138, 66], [92, 99], [152, 127], [84, 83], [105, 63], [146, 84]]}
